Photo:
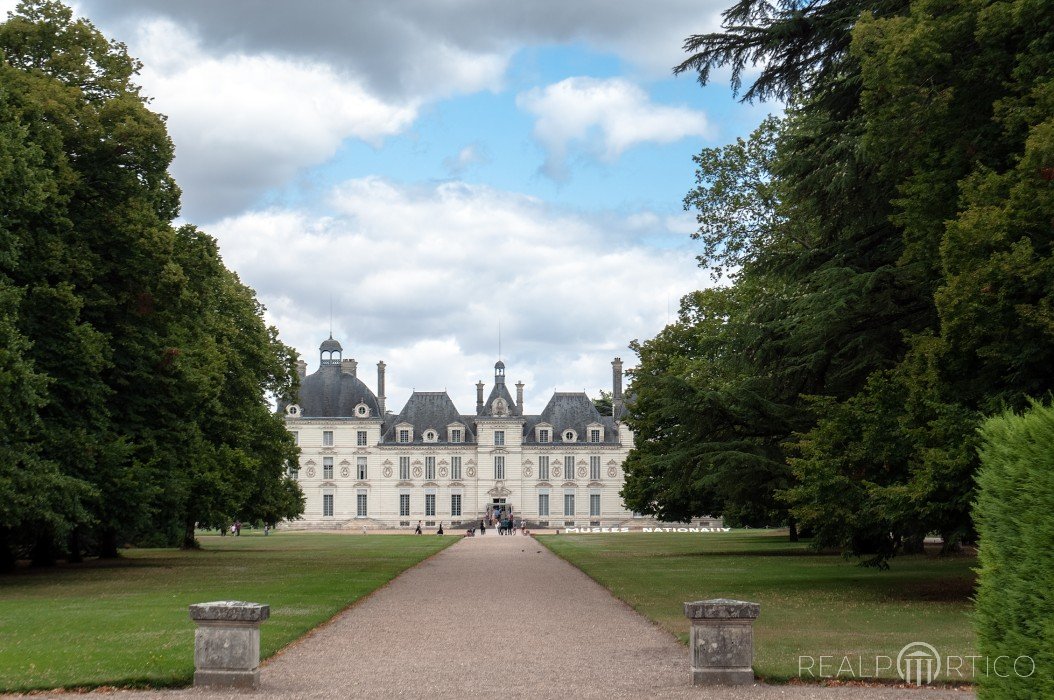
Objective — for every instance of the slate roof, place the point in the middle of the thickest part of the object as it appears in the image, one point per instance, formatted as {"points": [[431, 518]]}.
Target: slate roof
{"points": [[331, 393], [570, 410], [429, 409]]}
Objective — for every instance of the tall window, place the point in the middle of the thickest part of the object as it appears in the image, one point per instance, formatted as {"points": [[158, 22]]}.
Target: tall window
{"points": [[327, 505], [296, 436], [404, 504], [594, 435], [569, 504], [499, 437], [361, 468], [404, 467], [543, 467], [430, 468], [543, 504], [292, 470], [594, 467], [404, 435], [327, 438], [360, 505], [543, 435], [499, 466], [455, 468], [327, 467], [430, 505], [455, 435], [360, 438], [594, 504], [455, 504], [569, 467]]}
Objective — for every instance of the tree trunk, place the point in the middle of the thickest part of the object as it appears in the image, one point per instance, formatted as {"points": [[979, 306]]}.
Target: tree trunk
{"points": [[108, 545], [73, 547], [189, 541], [7, 555], [792, 527], [43, 553]]}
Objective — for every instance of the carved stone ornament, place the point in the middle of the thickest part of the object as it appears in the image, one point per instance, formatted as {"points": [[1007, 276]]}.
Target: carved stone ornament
{"points": [[417, 472], [310, 472], [555, 471], [344, 471], [612, 471], [387, 471], [528, 471], [442, 472], [471, 472], [581, 472]]}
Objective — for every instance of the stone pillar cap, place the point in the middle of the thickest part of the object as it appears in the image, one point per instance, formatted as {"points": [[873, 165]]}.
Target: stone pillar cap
{"points": [[722, 609], [230, 611]]}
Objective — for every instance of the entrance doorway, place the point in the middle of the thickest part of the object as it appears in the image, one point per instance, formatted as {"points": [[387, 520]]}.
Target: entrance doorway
{"points": [[500, 509]]}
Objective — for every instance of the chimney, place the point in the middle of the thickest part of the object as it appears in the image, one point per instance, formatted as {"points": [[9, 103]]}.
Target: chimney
{"points": [[301, 368], [479, 398], [349, 367], [616, 385], [519, 398], [380, 386]]}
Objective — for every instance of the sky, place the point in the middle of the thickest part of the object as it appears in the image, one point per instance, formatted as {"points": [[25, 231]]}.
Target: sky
{"points": [[417, 174]]}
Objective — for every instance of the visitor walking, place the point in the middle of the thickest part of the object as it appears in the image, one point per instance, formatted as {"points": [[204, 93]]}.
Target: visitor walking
{"points": [[418, 530], [482, 528], [440, 531]]}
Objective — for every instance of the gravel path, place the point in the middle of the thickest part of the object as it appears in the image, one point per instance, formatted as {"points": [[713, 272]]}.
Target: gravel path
{"points": [[498, 617]]}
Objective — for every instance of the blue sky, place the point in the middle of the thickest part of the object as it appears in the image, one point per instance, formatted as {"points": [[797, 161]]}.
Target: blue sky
{"points": [[434, 168]]}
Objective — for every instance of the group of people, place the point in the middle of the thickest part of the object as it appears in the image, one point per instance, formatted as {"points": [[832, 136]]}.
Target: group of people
{"points": [[418, 531], [505, 526]]}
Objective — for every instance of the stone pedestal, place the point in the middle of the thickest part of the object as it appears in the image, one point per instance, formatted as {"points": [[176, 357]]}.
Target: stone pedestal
{"points": [[227, 643], [722, 641]]}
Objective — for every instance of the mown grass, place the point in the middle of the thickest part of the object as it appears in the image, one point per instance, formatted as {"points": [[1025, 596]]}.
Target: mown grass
{"points": [[811, 604], [125, 622]]}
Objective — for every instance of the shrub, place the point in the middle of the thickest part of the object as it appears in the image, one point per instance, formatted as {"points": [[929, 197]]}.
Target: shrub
{"points": [[1014, 514]]}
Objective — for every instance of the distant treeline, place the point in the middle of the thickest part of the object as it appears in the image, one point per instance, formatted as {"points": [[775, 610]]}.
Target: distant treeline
{"points": [[888, 248], [135, 368]]}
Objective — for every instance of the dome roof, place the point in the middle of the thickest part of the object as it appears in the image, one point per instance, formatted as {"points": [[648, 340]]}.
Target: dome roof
{"points": [[330, 345], [331, 393], [499, 365]]}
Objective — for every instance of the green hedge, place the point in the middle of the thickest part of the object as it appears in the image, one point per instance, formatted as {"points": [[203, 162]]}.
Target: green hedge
{"points": [[1015, 518]]}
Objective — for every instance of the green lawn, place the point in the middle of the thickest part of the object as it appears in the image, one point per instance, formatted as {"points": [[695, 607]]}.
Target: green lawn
{"points": [[811, 604], [126, 622]]}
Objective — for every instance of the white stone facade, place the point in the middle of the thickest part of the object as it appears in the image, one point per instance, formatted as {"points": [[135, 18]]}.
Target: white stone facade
{"points": [[363, 467]]}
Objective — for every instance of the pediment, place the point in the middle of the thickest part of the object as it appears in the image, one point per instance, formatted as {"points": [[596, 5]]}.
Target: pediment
{"points": [[595, 485], [404, 484], [569, 485], [361, 485]]}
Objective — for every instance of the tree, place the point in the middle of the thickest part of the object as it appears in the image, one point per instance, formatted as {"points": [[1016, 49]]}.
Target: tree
{"points": [[143, 358]]}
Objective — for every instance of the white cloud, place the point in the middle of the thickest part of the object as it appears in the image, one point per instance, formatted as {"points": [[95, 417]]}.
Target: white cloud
{"points": [[607, 116], [245, 123], [470, 155], [420, 277]]}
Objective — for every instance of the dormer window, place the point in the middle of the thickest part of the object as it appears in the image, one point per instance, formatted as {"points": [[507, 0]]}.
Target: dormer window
{"points": [[362, 411], [430, 436], [594, 435], [543, 432], [404, 435], [455, 435], [292, 410], [570, 436]]}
